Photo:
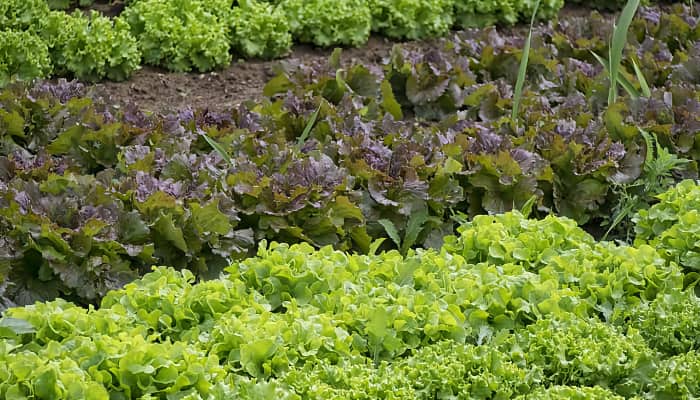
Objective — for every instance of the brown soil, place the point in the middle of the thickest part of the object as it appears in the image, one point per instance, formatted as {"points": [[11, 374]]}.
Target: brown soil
{"points": [[158, 90]]}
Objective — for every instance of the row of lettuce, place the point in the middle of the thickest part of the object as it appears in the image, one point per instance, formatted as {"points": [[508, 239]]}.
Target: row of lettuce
{"points": [[92, 195], [510, 307], [185, 35]]}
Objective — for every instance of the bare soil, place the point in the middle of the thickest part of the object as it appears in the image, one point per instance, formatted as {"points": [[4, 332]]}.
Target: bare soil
{"points": [[158, 90]]}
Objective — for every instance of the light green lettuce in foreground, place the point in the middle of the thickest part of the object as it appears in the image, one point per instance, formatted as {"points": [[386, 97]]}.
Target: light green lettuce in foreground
{"points": [[509, 307]]}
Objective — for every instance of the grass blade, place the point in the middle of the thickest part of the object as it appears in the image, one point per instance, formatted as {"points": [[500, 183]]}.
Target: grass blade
{"points": [[642, 80], [619, 40], [621, 79], [308, 127], [218, 148], [623, 213], [628, 86], [522, 71]]}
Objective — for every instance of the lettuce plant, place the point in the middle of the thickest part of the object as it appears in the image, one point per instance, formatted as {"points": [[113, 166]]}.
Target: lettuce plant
{"points": [[23, 56], [571, 393], [329, 22], [570, 351], [669, 323], [259, 29], [411, 19], [361, 171], [677, 377], [673, 225], [477, 13], [180, 35], [23, 14], [547, 9], [91, 48]]}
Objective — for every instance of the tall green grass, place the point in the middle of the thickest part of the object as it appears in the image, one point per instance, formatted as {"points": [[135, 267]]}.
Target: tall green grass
{"points": [[613, 65], [619, 39], [522, 71]]}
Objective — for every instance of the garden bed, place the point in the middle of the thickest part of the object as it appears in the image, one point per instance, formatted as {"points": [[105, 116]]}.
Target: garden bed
{"points": [[500, 213]]}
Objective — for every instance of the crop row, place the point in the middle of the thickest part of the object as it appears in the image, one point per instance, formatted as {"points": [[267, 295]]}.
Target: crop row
{"points": [[92, 195], [509, 308], [185, 35]]}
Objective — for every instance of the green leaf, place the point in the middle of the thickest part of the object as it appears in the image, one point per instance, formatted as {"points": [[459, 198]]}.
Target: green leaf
{"points": [[218, 148], [621, 79], [307, 129], [375, 246], [165, 227], [413, 229], [278, 84], [377, 324], [210, 219], [526, 209], [16, 326], [255, 353], [522, 70], [46, 385], [391, 230], [389, 101], [642, 80], [619, 40], [334, 59], [12, 123], [452, 166], [132, 229], [362, 82]]}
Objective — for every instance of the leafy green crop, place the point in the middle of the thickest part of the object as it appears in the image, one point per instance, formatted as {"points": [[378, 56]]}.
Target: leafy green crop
{"points": [[475, 13], [23, 56], [23, 15], [582, 352], [92, 196], [328, 22], [411, 19], [571, 392], [91, 48], [259, 29], [296, 323], [197, 35], [677, 377], [181, 35], [669, 323], [96, 194], [672, 225]]}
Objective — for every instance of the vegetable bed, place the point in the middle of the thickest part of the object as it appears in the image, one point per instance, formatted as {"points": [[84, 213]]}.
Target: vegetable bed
{"points": [[510, 307], [492, 215], [93, 194], [36, 40]]}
